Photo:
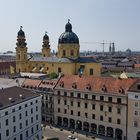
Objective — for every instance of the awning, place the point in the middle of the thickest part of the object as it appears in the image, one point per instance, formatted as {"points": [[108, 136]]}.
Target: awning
{"points": [[34, 69], [41, 69]]}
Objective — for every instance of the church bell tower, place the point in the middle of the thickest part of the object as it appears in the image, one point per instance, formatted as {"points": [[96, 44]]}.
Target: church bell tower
{"points": [[21, 52], [46, 47]]}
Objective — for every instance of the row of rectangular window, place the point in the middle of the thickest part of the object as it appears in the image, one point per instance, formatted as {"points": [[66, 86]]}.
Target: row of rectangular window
{"points": [[93, 116], [93, 106], [110, 99], [14, 130], [78, 113], [14, 120], [13, 110], [46, 97]]}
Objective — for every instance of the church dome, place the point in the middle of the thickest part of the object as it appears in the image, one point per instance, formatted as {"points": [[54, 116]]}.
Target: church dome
{"points": [[68, 36], [45, 37], [21, 32]]}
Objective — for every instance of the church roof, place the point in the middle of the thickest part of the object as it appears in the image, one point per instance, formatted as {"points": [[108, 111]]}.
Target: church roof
{"points": [[86, 60], [65, 60], [51, 59]]}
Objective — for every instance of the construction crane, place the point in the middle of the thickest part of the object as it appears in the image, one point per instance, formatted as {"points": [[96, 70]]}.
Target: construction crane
{"points": [[102, 43]]}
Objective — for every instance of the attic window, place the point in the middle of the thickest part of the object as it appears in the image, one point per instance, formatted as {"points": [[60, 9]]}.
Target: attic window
{"points": [[62, 84], [121, 90], [74, 85], [88, 87], [138, 86], [104, 88]]}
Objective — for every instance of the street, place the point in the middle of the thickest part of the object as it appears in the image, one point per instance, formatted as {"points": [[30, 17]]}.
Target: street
{"points": [[62, 135]]}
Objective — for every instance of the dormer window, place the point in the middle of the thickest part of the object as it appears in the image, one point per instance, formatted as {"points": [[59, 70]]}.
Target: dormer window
{"points": [[138, 86], [104, 88], [88, 87], [62, 84], [121, 90], [74, 85]]}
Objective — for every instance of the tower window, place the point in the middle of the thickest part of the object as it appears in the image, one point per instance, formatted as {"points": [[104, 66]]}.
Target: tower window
{"points": [[77, 52], [72, 53], [24, 56], [64, 53], [59, 69], [91, 71]]}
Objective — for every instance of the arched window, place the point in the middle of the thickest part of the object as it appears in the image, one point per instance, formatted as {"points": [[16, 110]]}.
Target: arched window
{"points": [[72, 53], [77, 52], [91, 71], [59, 69], [64, 53], [18, 56], [24, 56], [138, 135]]}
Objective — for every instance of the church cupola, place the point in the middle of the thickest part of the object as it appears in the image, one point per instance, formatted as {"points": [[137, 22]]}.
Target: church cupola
{"points": [[68, 27], [46, 46], [68, 36], [68, 43], [21, 41], [21, 32]]}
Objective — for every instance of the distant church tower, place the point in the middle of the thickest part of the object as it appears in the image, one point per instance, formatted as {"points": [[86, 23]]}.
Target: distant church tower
{"points": [[68, 43], [110, 48], [113, 48], [46, 47], [21, 52]]}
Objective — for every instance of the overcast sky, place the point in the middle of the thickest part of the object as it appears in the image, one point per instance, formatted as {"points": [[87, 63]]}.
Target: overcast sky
{"points": [[92, 20]]}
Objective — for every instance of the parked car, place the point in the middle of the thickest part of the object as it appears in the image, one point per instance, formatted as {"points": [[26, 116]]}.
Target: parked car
{"points": [[72, 138]]}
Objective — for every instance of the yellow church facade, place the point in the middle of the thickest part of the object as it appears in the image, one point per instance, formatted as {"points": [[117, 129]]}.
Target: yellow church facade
{"points": [[67, 60]]}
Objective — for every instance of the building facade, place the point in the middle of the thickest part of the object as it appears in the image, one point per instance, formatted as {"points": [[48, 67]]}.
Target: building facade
{"points": [[134, 112], [46, 89], [20, 114], [67, 60], [95, 105]]}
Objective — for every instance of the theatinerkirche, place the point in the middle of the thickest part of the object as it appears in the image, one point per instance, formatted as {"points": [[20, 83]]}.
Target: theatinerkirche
{"points": [[67, 60]]}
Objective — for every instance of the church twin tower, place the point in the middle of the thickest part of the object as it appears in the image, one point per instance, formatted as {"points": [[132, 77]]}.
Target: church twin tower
{"points": [[68, 47], [66, 61]]}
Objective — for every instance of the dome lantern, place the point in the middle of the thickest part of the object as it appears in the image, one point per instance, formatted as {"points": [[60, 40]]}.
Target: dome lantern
{"points": [[68, 27], [68, 37], [45, 37], [21, 32]]}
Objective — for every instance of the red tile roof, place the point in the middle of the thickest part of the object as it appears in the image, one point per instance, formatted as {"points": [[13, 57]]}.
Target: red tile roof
{"points": [[96, 84], [6, 65], [48, 83], [31, 83]]}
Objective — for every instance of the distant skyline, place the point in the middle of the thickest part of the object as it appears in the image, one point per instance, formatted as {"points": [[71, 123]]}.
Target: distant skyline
{"points": [[92, 20]]}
